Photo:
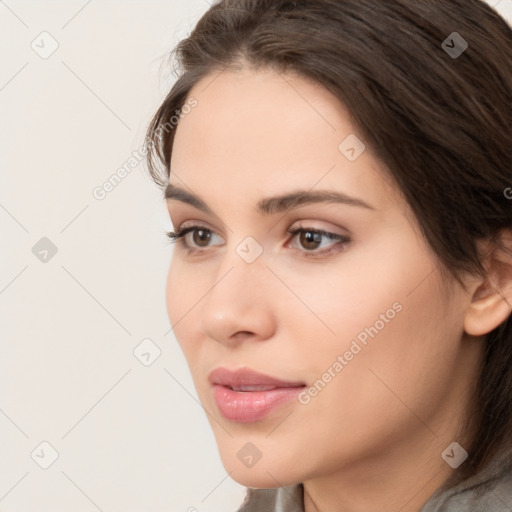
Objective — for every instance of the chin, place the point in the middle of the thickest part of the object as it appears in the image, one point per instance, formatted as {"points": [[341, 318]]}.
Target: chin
{"points": [[259, 478], [268, 472]]}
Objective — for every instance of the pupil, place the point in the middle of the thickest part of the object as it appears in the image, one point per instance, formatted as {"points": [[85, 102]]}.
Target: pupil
{"points": [[311, 238], [204, 233]]}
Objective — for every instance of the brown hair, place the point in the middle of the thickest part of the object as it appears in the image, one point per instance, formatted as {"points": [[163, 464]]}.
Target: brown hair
{"points": [[442, 124]]}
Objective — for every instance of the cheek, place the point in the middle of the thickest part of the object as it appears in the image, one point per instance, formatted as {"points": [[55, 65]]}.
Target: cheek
{"points": [[181, 295], [392, 327], [172, 291], [398, 354]]}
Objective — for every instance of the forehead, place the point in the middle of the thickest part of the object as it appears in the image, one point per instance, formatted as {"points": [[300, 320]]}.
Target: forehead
{"points": [[259, 130], [264, 108]]}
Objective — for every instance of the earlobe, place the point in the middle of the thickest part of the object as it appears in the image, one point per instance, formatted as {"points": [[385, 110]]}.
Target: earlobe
{"points": [[491, 302]]}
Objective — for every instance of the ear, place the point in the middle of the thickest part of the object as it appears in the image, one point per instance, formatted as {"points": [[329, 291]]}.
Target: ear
{"points": [[491, 301]]}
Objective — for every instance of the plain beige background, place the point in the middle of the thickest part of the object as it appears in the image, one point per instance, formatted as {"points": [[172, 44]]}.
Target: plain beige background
{"points": [[120, 423]]}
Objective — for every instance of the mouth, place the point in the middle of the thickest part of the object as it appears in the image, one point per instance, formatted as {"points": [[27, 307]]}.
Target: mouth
{"points": [[245, 395], [246, 379], [250, 388]]}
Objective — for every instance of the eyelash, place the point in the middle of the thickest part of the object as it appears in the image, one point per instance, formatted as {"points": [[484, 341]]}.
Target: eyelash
{"points": [[179, 234]]}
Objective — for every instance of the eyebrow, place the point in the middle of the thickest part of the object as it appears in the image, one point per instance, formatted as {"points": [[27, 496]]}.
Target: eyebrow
{"points": [[272, 205]]}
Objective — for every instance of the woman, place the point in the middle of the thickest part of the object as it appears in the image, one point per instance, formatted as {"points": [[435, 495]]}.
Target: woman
{"points": [[339, 182]]}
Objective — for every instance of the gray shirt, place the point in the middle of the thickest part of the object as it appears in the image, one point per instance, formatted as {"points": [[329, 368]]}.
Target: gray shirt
{"points": [[488, 491]]}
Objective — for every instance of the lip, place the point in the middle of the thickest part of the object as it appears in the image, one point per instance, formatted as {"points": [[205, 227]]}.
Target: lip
{"points": [[250, 405], [247, 377]]}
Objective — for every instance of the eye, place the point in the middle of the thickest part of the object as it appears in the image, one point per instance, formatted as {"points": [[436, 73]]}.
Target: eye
{"points": [[310, 239], [204, 236]]}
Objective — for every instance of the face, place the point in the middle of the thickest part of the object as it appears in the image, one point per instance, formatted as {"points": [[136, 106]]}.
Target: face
{"points": [[349, 319]]}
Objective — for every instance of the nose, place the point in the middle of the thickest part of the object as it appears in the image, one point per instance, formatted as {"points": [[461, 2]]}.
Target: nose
{"points": [[239, 305]]}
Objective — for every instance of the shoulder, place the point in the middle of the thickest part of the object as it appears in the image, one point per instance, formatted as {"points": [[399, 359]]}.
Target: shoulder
{"points": [[490, 490]]}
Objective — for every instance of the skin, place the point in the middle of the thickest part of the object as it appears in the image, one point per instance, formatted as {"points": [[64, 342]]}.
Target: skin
{"points": [[372, 438]]}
